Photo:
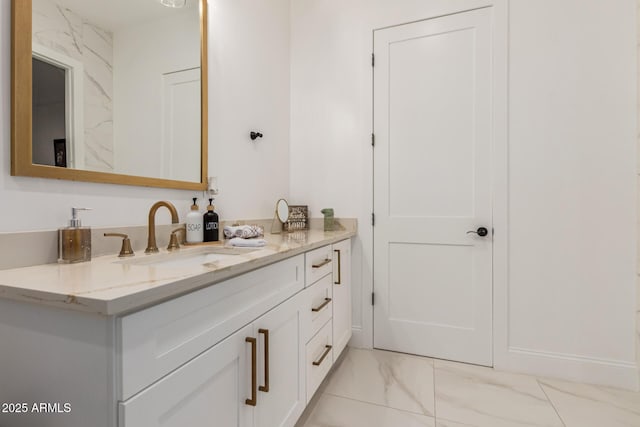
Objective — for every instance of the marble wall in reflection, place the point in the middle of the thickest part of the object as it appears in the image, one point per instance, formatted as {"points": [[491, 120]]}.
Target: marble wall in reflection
{"points": [[68, 33]]}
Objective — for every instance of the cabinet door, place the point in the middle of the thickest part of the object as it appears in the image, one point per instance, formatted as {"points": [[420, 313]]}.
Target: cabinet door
{"points": [[210, 390], [341, 296], [283, 372]]}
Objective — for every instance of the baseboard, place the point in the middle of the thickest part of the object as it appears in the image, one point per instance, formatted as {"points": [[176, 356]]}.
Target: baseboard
{"points": [[570, 367], [613, 373], [358, 339]]}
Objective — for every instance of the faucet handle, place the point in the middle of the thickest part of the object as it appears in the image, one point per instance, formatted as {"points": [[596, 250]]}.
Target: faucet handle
{"points": [[126, 250], [174, 244]]}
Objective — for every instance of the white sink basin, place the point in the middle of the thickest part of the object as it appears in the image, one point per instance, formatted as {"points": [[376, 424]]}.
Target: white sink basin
{"points": [[184, 258]]}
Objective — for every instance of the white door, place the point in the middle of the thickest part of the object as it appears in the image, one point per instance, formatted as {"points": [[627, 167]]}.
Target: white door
{"points": [[432, 184], [181, 147], [281, 395], [209, 390]]}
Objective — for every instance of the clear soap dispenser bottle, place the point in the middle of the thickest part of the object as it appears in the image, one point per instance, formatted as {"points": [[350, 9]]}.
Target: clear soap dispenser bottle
{"points": [[74, 241], [194, 224]]}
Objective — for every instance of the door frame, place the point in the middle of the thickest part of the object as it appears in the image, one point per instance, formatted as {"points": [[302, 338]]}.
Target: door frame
{"points": [[363, 337]]}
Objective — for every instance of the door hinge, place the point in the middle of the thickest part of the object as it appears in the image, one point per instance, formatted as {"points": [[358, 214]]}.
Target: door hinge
{"points": [[373, 59], [373, 139], [373, 218], [373, 298]]}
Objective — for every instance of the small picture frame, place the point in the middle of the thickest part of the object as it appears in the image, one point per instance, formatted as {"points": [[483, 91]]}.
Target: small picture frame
{"points": [[60, 152], [298, 218]]}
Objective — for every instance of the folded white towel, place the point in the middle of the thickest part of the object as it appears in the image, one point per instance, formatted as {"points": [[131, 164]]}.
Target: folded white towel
{"points": [[244, 231], [248, 243]]}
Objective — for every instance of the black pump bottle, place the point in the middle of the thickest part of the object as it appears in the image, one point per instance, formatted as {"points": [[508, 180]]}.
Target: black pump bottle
{"points": [[210, 224]]}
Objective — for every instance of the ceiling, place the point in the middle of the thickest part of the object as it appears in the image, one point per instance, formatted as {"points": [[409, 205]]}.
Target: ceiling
{"points": [[114, 14]]}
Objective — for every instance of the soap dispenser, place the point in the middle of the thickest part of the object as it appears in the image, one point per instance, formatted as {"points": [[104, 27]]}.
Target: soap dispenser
{"points": [[74, 241], [210, 224], [194, 224]]}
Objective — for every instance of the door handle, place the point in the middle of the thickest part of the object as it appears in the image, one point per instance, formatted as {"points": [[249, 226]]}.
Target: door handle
{"points": [[481, 231], [265, 387], [254, 376]]}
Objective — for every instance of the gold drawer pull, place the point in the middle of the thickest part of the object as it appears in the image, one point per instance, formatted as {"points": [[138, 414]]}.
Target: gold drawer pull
{"points": [[324, 355], [321, 306], [322, 264], [254, 375], [265, 387], [339, 268]]}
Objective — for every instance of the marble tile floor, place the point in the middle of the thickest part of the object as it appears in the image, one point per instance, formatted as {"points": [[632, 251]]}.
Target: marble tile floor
{"points": [[384, 389]]}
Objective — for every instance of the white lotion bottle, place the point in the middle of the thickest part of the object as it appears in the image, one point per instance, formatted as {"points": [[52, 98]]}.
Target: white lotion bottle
{"points": [[194, 224]]}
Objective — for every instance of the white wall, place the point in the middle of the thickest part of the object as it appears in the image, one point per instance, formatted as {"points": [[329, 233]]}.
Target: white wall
{"points": [[249, 91], [572, 197], [566, 305], [251, 178]]}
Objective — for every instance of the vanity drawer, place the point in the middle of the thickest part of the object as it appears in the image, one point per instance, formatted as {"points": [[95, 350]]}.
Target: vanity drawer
{"points": [[157, 340], [320, 304], [319, 358], [318, 263]]}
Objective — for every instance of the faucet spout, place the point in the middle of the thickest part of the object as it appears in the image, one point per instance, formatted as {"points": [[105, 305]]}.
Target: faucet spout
{"points": [[152, 247]]}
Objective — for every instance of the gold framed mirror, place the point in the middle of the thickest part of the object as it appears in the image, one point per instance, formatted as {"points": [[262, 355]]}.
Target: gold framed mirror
{"points": [[148, 158]]}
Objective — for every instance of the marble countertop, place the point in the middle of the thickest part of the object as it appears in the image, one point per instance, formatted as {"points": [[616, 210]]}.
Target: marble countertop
{"points": [[109, 286]]}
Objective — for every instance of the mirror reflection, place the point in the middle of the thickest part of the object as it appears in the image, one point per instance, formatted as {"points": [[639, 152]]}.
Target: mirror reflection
{"points": [[117, 86], [282, 210], [280, 216]]}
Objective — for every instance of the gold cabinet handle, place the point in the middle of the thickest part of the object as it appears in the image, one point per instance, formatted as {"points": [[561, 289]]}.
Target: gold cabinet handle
{"points": [[322, 264], [327, 349], [265, 387], [339, 282], [321, 306], [254, 376]]}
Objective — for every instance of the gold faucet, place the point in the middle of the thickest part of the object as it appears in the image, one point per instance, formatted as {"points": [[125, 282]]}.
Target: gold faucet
{"points": [[151, 241], [174, 243]]}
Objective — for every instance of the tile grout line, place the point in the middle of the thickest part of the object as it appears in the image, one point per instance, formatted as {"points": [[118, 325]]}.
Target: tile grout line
{"points": [[379, 405], [458, 423], [435, 414], [550, 402]]}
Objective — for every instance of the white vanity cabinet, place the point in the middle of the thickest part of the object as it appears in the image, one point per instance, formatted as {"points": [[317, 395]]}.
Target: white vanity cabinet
{"points": [[328, 296], [318, 263], [246, 351], [319, 304], [257, 372], [157, 340], [320, 357], [341, 295], [280, 365], [254, 378], [209, 390]]}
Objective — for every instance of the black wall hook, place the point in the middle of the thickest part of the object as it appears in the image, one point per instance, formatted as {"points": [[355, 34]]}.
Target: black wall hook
{"points": [[255, 135]]}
